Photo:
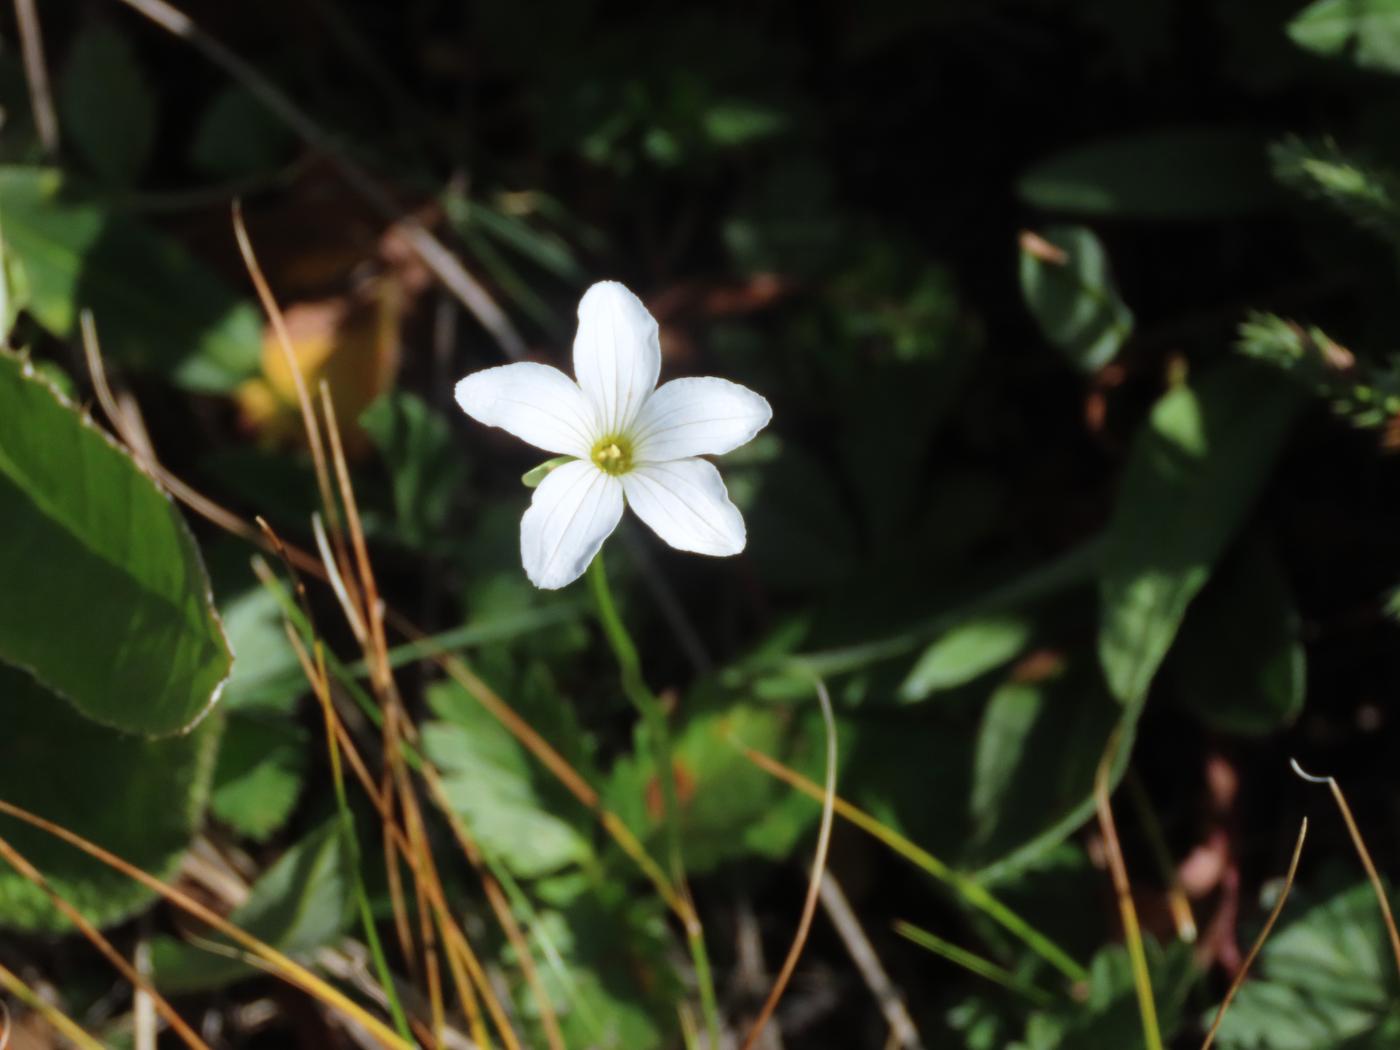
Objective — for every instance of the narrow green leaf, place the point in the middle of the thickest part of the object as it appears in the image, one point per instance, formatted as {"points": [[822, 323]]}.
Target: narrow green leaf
{"points": [[142, 799], [1366, 32], [106, 599], [156, 307], [1195, 469], [1073, 298], [531, 478], [968, 651], [1196, 172]]}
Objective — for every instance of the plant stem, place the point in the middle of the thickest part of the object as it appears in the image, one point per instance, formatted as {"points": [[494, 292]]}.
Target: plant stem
{"points": [[659, 736]]}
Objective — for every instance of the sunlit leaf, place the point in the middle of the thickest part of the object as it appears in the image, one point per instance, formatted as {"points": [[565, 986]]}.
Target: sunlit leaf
{"points": [[1195, 469], [156, 307], [106, 599], [1366, 32], [1069, 289], [964, 653]]}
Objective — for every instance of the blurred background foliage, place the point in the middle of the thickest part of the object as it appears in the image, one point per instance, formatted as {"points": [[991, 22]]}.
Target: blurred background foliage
{"points": [[1079, 324]]}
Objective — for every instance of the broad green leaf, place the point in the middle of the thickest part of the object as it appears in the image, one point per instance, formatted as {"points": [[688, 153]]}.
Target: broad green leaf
{"points": [[489, 778], [262, 763], [142, 799], [106, 600], [424, 462], [300, 903], [156, 307], [966, 652], [1195, 469], [1073, 298], [107, 105], [1186, 173], [1366, 32], [267, 677], [1324, 981], [1240, 664]]}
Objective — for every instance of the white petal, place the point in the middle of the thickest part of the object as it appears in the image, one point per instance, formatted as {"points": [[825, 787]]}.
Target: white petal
{"points": [[536, 403], [686, 504], [697, 417], [617, 354], [574, 510]]}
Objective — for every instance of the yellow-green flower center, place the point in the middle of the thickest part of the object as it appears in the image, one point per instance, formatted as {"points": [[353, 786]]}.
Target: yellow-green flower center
{"points": [[613, 454]]}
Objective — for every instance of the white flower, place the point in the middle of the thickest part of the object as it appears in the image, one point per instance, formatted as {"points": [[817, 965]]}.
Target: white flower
{"points": [[632, 442]]}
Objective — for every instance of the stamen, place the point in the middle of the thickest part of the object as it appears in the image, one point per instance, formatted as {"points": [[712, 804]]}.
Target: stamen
{"points": [[613, 455]]}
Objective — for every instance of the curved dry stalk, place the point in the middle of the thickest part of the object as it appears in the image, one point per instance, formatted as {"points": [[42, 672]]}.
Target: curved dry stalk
{"points": [[809, 907], [142, 986], [1123, 890], [1382, 898], [36, 72], [290, 971], [1259, 941]]}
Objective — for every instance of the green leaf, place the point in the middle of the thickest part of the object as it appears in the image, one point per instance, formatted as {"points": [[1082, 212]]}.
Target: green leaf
{"points": [[729, 807], [262, 763], [142, 799], [964, 653], [1196, 466], [531, 478], [155, 306], [497, 787], [426, 466], [1073, 298], [1324, 981], [1109, 1016], [238, 137], [1034, 759], [267, 677], [1366, 32], [107, 105], [300, 903], [106, 599], [1240, 664], [1187, 173]]}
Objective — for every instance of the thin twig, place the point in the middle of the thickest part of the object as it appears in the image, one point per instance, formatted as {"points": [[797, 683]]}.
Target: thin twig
{"points": [[1376, 884], [433, 252], [903, 1033], [60, 1021], [36, 72], [1259, 941], [1123, 890], [809, 907]]}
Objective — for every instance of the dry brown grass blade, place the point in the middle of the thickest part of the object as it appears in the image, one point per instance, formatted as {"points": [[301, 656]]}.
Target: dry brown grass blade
{"points": [[290, 971], [809, 906], [61, 1022], [1123, 890], [17, 861], [1382, 898], [36, 72], [339, 743], [495, 896], [1259, 941], [434, 254]]}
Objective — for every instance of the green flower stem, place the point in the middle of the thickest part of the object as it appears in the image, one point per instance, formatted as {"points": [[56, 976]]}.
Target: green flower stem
{"points": [[659, 736]]}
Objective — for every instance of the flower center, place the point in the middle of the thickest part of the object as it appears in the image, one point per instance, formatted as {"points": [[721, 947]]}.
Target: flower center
{"points": [[613, 454]]}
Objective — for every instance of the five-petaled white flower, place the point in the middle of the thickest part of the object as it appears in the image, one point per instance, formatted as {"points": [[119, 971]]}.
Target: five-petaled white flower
{"points": [[631, 442]]}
